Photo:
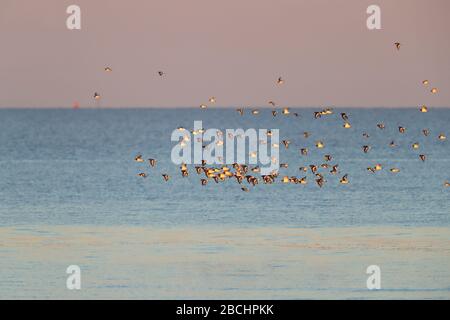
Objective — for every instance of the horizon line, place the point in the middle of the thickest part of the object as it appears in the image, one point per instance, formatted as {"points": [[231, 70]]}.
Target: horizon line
{"points": [[213, 107]]}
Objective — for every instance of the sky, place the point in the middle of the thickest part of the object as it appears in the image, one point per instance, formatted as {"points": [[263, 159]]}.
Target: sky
{"points": [[233, 50]]}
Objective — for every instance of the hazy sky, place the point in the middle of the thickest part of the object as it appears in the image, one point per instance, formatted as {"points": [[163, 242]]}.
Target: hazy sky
{"points": [[231, 49]]}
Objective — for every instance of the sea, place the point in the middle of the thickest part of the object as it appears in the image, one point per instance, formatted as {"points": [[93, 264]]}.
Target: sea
{"points": [[70, 194]]}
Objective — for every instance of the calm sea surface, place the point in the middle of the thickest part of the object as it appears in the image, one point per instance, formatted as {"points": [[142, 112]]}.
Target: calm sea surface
{"points": [[62, 167], [70, 194]]}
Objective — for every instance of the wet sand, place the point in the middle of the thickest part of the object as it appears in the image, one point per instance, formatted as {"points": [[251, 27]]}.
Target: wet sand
{"points": [[212, 262]]}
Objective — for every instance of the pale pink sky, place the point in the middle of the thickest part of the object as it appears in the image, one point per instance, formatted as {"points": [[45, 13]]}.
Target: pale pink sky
{"points": [[231, 49]]}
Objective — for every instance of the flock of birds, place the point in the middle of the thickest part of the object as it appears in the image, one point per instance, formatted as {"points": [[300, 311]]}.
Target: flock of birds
{"points": [[251, 175]]}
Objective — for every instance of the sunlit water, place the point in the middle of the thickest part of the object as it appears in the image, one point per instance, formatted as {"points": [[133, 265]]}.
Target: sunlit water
{"points": [[70, 194]]}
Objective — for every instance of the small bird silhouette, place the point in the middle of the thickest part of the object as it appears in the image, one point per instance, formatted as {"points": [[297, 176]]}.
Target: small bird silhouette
{"points": [[344, 179], [320, 182], [423, 109], [370, 169], [334, 170]]}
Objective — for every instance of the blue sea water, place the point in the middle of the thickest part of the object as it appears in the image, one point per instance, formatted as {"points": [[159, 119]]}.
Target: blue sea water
{"points": [[70, 167], [70, 194]]}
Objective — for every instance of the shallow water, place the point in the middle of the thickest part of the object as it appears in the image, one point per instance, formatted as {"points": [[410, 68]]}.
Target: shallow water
{"points": [[225, 263], [70, 195]]}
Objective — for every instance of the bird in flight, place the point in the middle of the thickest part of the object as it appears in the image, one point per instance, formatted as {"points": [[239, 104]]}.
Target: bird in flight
{"points": [[138, 158], [347, 125], [320, 144], [152, 162], [344, 179]]}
